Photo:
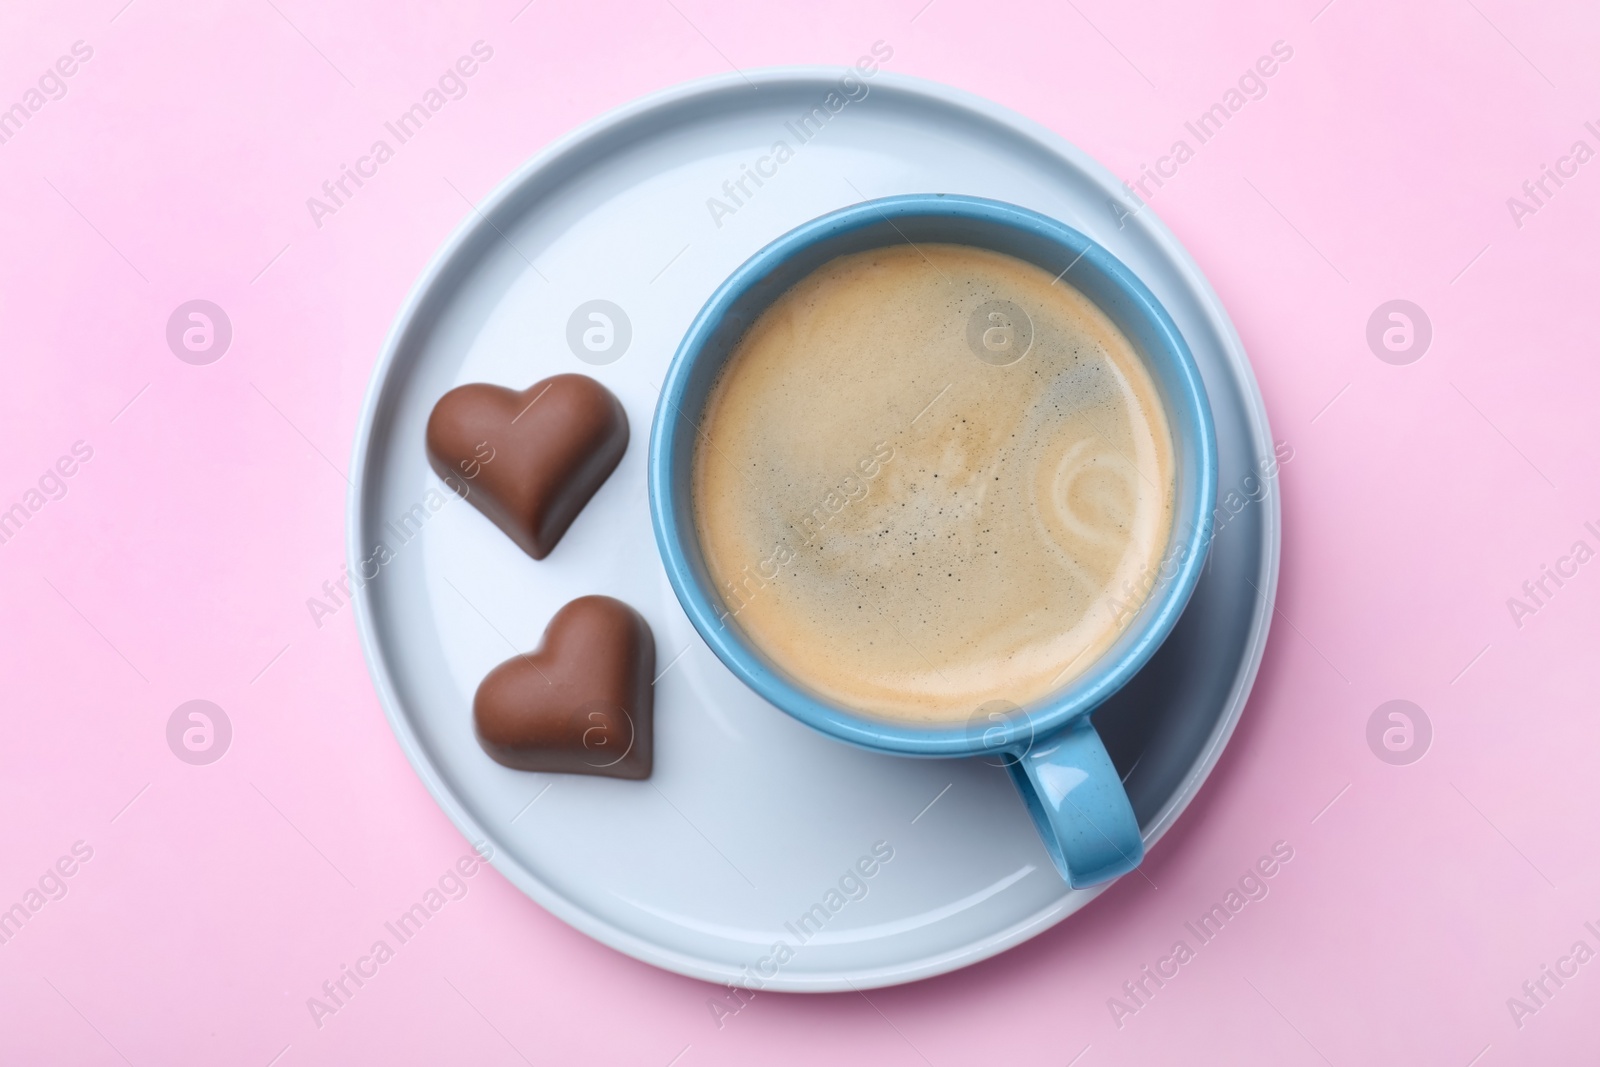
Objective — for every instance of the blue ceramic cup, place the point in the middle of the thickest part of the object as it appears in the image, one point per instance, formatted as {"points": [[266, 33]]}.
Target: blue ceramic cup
{"points": [[1057, 760]]}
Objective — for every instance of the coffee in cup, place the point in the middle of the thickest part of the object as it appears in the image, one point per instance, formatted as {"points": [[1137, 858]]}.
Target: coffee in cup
{"points": [[930, 478]]}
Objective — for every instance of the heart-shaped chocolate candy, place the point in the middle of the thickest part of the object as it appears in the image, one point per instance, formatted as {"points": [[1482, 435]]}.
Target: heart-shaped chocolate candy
{"points": [[531, 460], [580, 703]]}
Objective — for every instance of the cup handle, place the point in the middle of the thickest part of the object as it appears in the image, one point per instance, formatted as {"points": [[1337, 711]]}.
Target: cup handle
{"points": [[1079, 807]]}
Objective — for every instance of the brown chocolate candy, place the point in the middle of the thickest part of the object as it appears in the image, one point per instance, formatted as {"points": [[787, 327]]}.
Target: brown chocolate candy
{"points": [[531, 460], [580, 703]]}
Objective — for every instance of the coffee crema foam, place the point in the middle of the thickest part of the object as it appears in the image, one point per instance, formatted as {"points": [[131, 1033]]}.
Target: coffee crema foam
{"points": [[913, 532]]}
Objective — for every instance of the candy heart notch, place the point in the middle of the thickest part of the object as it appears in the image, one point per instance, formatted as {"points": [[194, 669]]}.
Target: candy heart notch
{"points": [[580, 703], [531, 460]]}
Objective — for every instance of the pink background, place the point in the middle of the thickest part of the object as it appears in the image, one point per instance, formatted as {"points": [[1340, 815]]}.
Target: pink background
{"points": [[178, 564]]}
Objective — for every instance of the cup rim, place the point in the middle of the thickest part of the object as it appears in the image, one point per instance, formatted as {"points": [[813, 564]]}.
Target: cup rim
{"points": [[1114, 668]]}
